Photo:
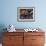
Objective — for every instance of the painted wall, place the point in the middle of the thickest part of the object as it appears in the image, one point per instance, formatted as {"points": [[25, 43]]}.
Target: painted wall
{"points": [[9, 13]]}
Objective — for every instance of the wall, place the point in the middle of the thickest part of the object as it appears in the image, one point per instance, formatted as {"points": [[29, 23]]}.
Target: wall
{"points": [[9, 13]]}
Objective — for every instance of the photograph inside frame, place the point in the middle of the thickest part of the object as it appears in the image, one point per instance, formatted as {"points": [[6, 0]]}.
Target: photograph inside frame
{"points": [[26, 13]]}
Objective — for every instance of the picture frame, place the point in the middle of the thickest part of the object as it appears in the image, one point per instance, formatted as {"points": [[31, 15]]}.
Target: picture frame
{"points": [[26, 14]]}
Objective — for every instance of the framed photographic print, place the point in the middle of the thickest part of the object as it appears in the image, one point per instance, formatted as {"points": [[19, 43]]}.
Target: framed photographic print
{"points": [[26, 14]]}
